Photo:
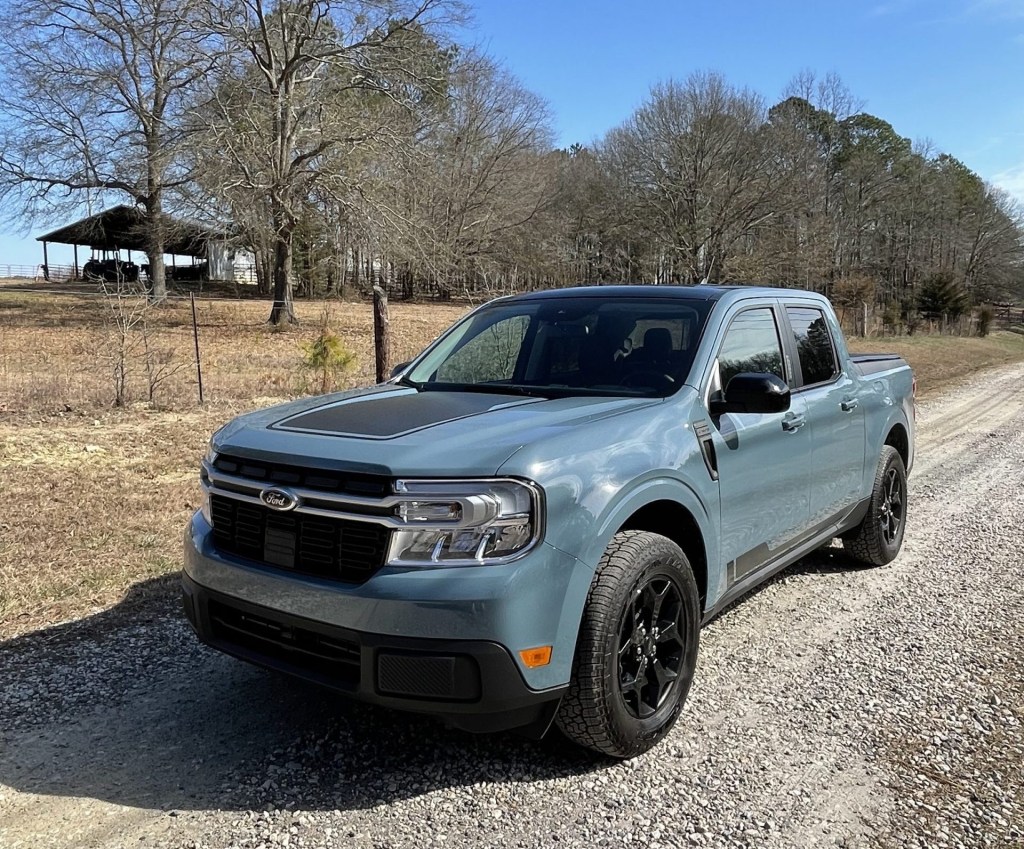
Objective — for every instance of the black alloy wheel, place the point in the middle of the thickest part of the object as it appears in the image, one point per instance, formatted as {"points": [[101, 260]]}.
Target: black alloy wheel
{"points": [[651, 645], [891, 510]]}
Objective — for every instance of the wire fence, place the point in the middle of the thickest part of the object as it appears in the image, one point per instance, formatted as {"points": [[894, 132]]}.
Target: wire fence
{"points": [[243, 274], [38, 272], [1008, 314]]}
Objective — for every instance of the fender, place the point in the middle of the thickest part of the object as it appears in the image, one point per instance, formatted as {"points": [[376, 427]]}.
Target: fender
{"points": [[644, 491], [897, 417], [640, 493]]}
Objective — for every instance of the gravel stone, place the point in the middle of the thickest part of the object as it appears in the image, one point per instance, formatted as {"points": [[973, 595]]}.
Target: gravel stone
{"points": [[835, 706]]}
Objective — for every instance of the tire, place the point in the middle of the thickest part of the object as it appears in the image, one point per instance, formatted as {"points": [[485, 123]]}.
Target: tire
{"points": [[629, 680], [878, 538]]}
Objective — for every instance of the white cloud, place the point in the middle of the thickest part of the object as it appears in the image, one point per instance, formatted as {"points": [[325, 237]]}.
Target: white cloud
{"points": [[997, 9], [1011, 180]]}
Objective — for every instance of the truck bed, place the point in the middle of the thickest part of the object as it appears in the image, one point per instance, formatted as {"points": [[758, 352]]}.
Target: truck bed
{"points": [[868, 364]]}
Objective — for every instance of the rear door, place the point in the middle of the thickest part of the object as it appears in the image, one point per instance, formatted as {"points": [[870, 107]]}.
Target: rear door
{"points": [[834, 414], [761, 459]]}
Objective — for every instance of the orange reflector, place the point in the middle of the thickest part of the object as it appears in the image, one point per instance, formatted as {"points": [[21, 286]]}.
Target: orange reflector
{"points": [[540, 656]]}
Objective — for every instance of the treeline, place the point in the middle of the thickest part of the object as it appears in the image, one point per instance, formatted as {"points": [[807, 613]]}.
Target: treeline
{"points": [[360, 144]]}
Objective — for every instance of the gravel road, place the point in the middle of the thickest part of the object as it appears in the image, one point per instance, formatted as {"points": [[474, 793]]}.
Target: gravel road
{"points": [[833, 707]]}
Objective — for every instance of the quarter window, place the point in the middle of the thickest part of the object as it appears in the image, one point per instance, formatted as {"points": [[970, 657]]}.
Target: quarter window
{"points": [[813, 344], [751, 344]]}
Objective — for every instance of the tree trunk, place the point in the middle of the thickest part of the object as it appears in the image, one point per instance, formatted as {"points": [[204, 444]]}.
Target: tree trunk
{"points": [[264, 271], [381, 334], [155, 247], [283, 311]]}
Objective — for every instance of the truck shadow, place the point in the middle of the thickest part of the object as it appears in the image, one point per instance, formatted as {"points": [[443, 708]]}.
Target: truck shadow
{"points": [[126, 707], [824, 561]]}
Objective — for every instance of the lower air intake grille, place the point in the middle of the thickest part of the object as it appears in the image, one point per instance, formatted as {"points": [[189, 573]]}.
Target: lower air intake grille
{"points": [[337, 549], [293, 645]]}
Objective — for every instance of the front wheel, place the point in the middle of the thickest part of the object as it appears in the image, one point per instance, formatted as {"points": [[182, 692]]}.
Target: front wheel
{"points": [[637, 647], [878, 538]]}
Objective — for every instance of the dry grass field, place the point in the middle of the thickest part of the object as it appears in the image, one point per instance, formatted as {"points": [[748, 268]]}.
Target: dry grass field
{"points": [[95, 497]]}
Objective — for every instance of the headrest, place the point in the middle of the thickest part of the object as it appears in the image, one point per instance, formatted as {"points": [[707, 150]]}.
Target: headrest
{"points": [[658, 342]]}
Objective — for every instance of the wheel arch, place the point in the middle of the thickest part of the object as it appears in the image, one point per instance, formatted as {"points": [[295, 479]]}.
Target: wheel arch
{"points": [[671, 519], [899, 439]]}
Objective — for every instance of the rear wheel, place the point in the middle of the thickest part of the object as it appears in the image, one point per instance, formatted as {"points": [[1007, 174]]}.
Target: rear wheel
{"points": [[637, 647], [878, 538]]}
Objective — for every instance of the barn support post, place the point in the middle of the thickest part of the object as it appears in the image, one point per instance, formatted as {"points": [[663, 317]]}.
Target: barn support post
{"points": [[76, 262], [46, 263]]}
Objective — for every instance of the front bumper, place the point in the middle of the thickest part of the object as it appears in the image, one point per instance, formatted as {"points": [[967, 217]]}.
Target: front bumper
{"points": [[438, 641]]}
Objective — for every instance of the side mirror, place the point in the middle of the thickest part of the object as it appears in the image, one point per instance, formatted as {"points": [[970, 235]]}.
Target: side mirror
{"points": [[748, 392], [397, 370]]}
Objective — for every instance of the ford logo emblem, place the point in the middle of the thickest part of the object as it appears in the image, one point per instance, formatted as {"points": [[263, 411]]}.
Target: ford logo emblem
{"points": [[279, 499]]}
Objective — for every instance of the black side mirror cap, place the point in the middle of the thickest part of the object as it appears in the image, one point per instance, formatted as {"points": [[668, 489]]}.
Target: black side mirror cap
{"points": [[397, 370], [750, 392]]}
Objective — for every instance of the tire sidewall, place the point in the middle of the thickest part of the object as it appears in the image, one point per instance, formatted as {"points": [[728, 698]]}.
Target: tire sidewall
{"points": [[660, 560], [892, 461]]}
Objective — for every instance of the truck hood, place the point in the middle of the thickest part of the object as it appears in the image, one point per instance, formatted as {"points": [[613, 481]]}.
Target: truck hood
{"points": [[399, 431]]}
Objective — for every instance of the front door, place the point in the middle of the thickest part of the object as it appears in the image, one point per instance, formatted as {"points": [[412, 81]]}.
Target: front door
{"points": [[762, 459]]}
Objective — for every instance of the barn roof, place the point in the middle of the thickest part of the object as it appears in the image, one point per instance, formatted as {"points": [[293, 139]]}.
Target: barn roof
{"points": [[124, 228]]}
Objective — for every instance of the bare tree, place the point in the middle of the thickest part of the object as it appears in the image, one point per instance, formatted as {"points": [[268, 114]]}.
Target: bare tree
{"points": [[474, 177], [91, 100], [699, 177], [310, 82]]}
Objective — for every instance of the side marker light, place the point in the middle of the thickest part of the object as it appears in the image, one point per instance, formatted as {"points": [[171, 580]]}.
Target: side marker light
{"points": [[539, 656]]}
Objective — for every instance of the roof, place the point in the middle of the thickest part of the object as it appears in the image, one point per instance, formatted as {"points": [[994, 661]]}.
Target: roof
{"points": [[701, 292], [124, 228]]}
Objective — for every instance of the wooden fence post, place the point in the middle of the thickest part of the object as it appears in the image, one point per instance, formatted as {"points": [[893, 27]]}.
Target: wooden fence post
{"points": [[195, 336], [381, 334]]}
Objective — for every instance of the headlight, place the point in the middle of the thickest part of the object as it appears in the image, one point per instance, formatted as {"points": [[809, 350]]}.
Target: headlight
{"points": [[465, 522], [208, 460]]}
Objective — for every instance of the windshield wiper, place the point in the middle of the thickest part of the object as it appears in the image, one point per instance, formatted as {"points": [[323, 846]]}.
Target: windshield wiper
{"points": [[412, 384]]}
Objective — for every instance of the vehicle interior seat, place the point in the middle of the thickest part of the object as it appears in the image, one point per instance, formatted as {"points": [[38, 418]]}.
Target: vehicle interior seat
{"points": [[655, 363], [597, 362]]}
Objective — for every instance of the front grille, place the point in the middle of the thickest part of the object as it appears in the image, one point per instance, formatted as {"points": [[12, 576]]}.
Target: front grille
{"points": [[337, 549], [350, 483], [285, 642]]}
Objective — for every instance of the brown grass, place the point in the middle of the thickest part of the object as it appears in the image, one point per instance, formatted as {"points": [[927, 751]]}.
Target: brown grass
{"points": [[95, 499], [942, 361], [58, 351]]}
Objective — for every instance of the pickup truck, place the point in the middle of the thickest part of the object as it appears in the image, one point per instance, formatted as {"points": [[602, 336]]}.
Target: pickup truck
{"points": [[530, 522]]}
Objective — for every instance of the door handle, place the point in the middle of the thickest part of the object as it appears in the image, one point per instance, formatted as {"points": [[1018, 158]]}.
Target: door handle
{"points": [[793, 423], [849, 404]]}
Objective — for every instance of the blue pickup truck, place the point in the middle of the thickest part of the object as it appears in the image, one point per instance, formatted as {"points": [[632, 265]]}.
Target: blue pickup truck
{"points": [[529, 523]]}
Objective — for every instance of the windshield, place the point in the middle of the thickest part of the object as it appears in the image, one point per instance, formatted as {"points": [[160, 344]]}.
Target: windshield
{"points": [[568, 346]]}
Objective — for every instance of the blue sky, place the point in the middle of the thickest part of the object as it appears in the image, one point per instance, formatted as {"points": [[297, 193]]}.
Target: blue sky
{"points": [[950, 71]]}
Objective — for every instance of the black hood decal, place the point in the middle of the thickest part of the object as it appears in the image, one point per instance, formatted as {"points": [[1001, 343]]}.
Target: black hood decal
{"points": [[383, 416]]}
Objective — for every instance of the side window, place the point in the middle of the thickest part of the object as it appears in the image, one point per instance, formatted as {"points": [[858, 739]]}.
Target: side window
{"points": [[813, 344], [490, 356], [751, 344]]}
